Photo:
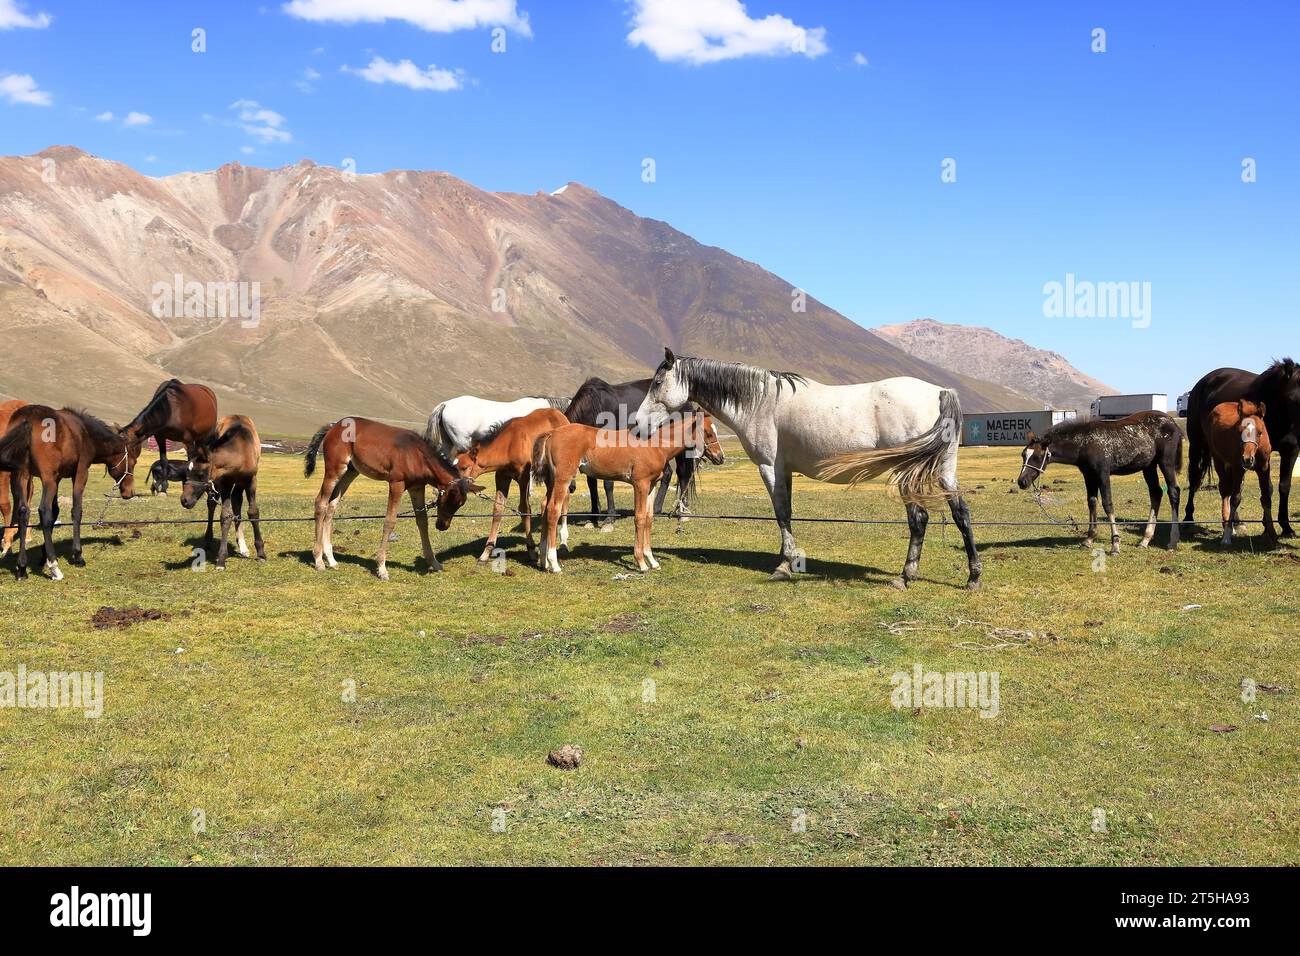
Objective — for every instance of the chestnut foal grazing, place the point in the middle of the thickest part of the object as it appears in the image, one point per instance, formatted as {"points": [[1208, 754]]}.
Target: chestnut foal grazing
{"points": [[618, 456], [398, 456], [1239, 443], [508, 451], [224, 468]]}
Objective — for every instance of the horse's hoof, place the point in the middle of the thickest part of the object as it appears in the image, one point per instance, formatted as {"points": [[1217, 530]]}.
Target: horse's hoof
{"points": [[22, 574], [382, 575], [55, 573], [899, 584], [1286, 533], [435, 567], [974, 584], [219, 566], [782, 572], [77, 561], [1144, 544], [587, 524], [485, 557], [607, 527]]}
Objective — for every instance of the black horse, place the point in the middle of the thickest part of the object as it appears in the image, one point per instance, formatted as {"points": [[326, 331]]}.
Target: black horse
{"points": [[1278, 389], [1149, 442], [602, 405], [164, 471]]}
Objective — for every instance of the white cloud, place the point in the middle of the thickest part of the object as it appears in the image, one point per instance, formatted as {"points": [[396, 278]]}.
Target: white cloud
{"points": [[21, 88], [247, 150], [409, 75], [151, 158], [264, 125], [104, 117], [11, 17], [860, 60], [706, 31], [137, 119], [304, 82], [436, 16]]}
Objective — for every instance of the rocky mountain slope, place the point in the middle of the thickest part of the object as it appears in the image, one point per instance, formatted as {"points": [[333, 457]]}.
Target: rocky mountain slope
{"points": [[985, 354], [379, 294]]}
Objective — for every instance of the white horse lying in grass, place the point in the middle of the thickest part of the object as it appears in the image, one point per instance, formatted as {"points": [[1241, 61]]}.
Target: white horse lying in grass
{"points": [[901, 427], [456, 424]]}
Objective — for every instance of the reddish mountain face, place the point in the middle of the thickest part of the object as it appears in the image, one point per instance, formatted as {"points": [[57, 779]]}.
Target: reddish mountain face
{"points": [[375, 294]]}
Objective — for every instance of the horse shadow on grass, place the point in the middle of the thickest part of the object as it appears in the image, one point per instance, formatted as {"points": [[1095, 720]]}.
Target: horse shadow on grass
{"points": [[367, 561], [761, 562], [62, 551]]}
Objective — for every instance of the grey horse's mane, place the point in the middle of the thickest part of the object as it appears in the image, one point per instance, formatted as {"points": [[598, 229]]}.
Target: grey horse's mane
{"points": [[715, 383]]}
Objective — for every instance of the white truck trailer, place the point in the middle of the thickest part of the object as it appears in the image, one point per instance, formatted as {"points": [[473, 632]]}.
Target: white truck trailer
{"points": [[1111, 407]]}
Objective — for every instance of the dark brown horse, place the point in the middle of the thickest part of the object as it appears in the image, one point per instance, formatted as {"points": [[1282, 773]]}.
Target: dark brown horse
{"points": [[508, 452], [224, 470], [177, 412], [1277, 388], [1149, 442], [54, 444], [6, 501], [399, 456]]}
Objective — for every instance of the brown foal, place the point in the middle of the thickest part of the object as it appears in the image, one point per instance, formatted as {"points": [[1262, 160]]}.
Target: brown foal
{"points": [[399, 456], [617, 456], [224, 469], [1239, 443], [508, 451]]}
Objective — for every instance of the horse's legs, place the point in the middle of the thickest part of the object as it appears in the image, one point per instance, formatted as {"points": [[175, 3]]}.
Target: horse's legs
{"points": [[594, 487], [649, 528], [917, 519], [556, 501], [1108, 503], [498, 509], [237, 506], [23, 510], [342, 485], [395, 492], [1171, 482], [777, 479], [1288, 455], [638, 520], [1094, 489], [78, 497], [49, 503], [1197, 466], [961, 516], [607, 524], [1150, 473], [6, 513], [422, 522], [227, 519], [543, 517], [526, 510], [661, 492], [1266, 500], [255, 516], [162, 456]]}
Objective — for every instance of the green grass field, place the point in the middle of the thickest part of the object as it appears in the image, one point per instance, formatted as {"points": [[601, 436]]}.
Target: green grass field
{"points": [[768, 699]]}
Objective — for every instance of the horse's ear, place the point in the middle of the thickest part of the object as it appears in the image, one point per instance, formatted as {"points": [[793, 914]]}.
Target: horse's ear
{"points": [[1260, 408], [1030, 438], [475, 488], [669, 357]]}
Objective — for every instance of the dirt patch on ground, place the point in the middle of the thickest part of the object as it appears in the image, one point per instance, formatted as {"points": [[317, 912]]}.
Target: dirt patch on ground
{"points": [[624, 623], [125, 617]]}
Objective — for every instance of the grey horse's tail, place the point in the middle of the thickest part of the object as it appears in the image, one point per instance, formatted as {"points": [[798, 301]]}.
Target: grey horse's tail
{"points": [[435, 432], [915, 468]]}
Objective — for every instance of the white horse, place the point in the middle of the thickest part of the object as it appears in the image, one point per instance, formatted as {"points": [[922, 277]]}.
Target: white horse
{"points": [[903, 427], [456, 424]]}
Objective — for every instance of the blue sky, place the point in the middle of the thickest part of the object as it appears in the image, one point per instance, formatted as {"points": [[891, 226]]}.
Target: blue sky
{"points": [[807, 136]]}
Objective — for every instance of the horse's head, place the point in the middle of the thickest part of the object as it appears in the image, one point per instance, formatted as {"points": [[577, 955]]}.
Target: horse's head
{"points": [[1035, 456], [707, 441], [199, 479], [122, 470], [467, 463], [1254, 435], [452, 498], [669, 390]]}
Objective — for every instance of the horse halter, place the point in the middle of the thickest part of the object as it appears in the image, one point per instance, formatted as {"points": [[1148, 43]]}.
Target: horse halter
{"points": [[1047, 456]]}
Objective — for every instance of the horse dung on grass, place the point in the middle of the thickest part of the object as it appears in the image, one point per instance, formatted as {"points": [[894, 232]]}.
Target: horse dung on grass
{"points": [[399, 456], [1149, 442]]}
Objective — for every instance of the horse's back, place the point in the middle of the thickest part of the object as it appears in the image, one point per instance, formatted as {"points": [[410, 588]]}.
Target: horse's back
{"points": [[818, 421]]}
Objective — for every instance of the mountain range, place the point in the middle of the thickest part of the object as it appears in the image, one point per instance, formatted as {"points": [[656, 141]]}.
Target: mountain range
{"points": [[381, 294]]}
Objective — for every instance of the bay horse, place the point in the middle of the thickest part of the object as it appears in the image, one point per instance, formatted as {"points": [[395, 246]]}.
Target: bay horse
{"points": [[399, 456], [224, 470], [177, 412], [54, 444], [6, 501], [1239, 442], [461, 422], [1149, 442], [901, 427], [617, 456], [601, 405], [508, 451], [1277, 389]]}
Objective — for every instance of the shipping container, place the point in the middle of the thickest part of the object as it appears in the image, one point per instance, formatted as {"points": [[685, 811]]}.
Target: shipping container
{"points": [[1111, 407], [1009, 428]]}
